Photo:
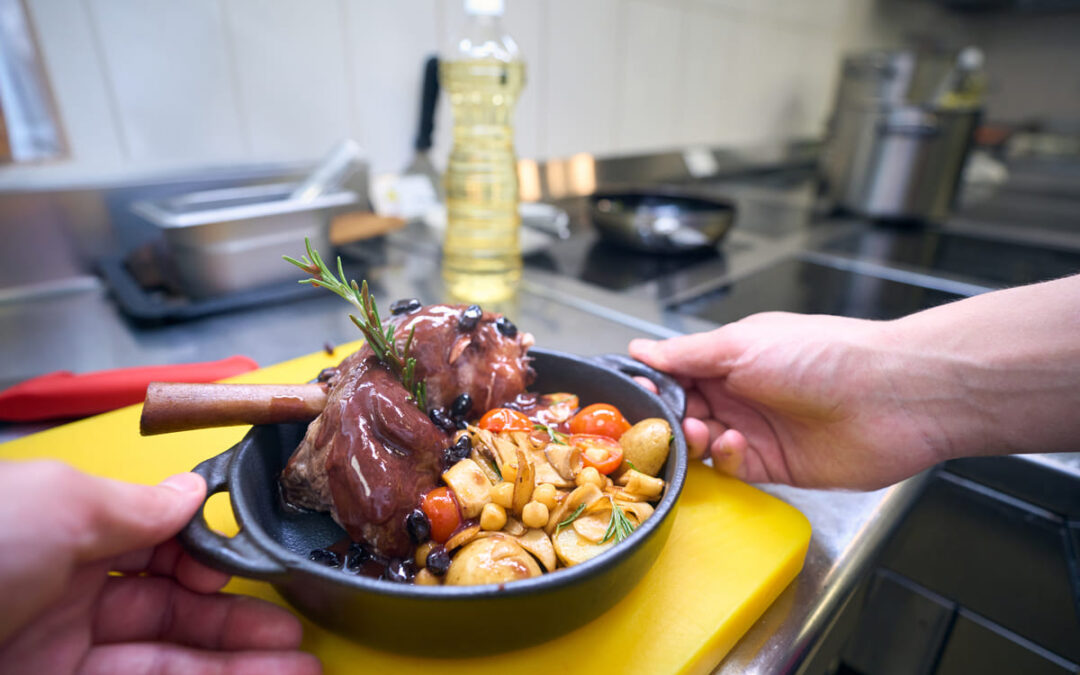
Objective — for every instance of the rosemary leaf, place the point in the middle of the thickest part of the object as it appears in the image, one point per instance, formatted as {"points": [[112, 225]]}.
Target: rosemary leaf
{"points": [[571, 518], [380, 338], [619, 526]]}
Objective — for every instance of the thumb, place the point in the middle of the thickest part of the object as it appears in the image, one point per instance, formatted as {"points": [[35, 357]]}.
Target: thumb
{"points": [[698, 355], [115, 517]]}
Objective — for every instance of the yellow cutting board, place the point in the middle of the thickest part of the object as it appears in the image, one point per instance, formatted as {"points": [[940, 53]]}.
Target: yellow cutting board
{"points": [[732, 550]]}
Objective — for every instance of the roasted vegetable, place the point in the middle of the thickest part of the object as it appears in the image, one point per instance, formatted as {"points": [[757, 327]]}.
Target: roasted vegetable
{"points": [[494, 559], [573, 549], [470, 486], [600, 419], [646, 445]]}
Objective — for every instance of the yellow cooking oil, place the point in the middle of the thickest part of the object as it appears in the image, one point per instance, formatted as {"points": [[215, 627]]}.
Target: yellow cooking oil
{"points": [[482, 248]]}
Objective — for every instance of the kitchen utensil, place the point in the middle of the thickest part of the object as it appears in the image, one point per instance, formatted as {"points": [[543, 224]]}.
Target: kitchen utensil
{"points": [[661, 220], [900, 132], [897, 163], [421, 162], [229, 240], [732, 550], [336, 167], [64, 394], [274, 544]]}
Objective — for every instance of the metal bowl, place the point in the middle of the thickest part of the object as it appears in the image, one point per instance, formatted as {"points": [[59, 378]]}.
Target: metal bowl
{"points": [[273, 543], [661, 221]]}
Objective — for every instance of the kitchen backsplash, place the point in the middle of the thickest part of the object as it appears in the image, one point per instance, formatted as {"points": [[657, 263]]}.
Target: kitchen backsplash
{"points": [[155, 85]]}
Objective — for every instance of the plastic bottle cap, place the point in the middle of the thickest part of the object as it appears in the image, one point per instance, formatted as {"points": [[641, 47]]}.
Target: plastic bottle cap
{"points": [[487, 7]]}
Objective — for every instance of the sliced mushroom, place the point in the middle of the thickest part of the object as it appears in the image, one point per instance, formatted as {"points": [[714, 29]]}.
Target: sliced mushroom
{"points": [[514, 527], [622, 495], [470, 485], [539, 544], [491, 560], [593, 526], [506, 455], [636, 511], [462, 537], [483, 452], [565, 459], [638, 483], [545, 473], [586, 494], [573, 549], [487, 465], [524, 483]]}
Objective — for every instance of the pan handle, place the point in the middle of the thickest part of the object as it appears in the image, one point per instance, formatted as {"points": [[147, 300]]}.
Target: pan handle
{"points": [[238, 555], [667, 388]]}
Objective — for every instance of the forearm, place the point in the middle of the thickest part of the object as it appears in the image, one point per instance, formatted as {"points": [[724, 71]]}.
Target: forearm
{"points": [[997, 373]]}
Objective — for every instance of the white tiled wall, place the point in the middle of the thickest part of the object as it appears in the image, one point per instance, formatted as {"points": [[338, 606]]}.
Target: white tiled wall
{"points": [[150, 84]]}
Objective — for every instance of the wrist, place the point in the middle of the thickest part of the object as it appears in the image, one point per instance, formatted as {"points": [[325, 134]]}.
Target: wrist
{"points": [[1001, 371], [929, 389]]}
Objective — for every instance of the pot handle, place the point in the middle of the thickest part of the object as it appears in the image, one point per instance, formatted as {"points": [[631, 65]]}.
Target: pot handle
{"points": [[667, 388], [237, 555]]}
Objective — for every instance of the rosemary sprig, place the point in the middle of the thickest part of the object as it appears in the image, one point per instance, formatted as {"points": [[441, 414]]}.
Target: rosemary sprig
{"points": [[619, 526], [556, 437], [569, 519], [379, 337]]}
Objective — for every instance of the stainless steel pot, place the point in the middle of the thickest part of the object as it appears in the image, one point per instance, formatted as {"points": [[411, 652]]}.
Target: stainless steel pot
{"points": [[900, 163]]}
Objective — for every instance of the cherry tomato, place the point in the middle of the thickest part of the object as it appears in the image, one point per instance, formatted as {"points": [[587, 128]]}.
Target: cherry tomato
{"points": [[599, 452], [504, 419], [599, 419], [442, 511]]}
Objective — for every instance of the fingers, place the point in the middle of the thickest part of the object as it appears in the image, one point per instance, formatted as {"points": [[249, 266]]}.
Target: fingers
{"points": [[101, 518], [697, 355], [729, 452], [158, 609], [170, 560], [646, 384], [162, 659], [697, 437]]}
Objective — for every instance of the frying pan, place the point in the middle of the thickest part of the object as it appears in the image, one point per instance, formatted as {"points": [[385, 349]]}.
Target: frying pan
{"points": [[661, 220], [273, 542]]}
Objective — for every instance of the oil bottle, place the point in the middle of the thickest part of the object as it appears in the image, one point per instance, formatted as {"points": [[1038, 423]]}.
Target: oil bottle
{"points": [[483, 74]]}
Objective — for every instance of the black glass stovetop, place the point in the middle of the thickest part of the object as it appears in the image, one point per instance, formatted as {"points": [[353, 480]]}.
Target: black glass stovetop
{"points": [[998, 262], [794, 285]]}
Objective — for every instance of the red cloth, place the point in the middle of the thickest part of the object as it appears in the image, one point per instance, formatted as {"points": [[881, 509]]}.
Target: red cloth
{"points": [[64, 394]]}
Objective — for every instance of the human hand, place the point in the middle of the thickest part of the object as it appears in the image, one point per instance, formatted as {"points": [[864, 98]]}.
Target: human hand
{"points": [[812, 401], [62, 533]]}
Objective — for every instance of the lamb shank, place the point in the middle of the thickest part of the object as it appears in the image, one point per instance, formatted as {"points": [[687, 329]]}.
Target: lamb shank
{"points": [[372, 453]]}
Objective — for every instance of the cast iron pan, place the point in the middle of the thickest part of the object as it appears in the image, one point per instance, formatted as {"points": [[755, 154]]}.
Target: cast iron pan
{"points": [[273, 543]]}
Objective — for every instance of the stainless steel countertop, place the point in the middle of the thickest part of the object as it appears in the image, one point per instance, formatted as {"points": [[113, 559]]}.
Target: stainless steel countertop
{"points": [[81, 330]]}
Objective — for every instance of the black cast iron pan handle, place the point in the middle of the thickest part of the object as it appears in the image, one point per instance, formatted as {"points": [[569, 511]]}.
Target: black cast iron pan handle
{"points": [[667, 388], [237, 555]]}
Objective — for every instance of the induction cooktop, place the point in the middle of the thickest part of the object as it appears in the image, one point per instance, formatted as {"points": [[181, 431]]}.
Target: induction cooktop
{"points": [[795, 285], [998, 262]]}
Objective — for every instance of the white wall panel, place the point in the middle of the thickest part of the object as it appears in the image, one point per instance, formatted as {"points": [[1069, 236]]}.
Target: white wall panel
{"points": [[77, 76], [169, 66], [653, 73], [290, 68], [710, 71], [583, 75], [386, 46]]}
